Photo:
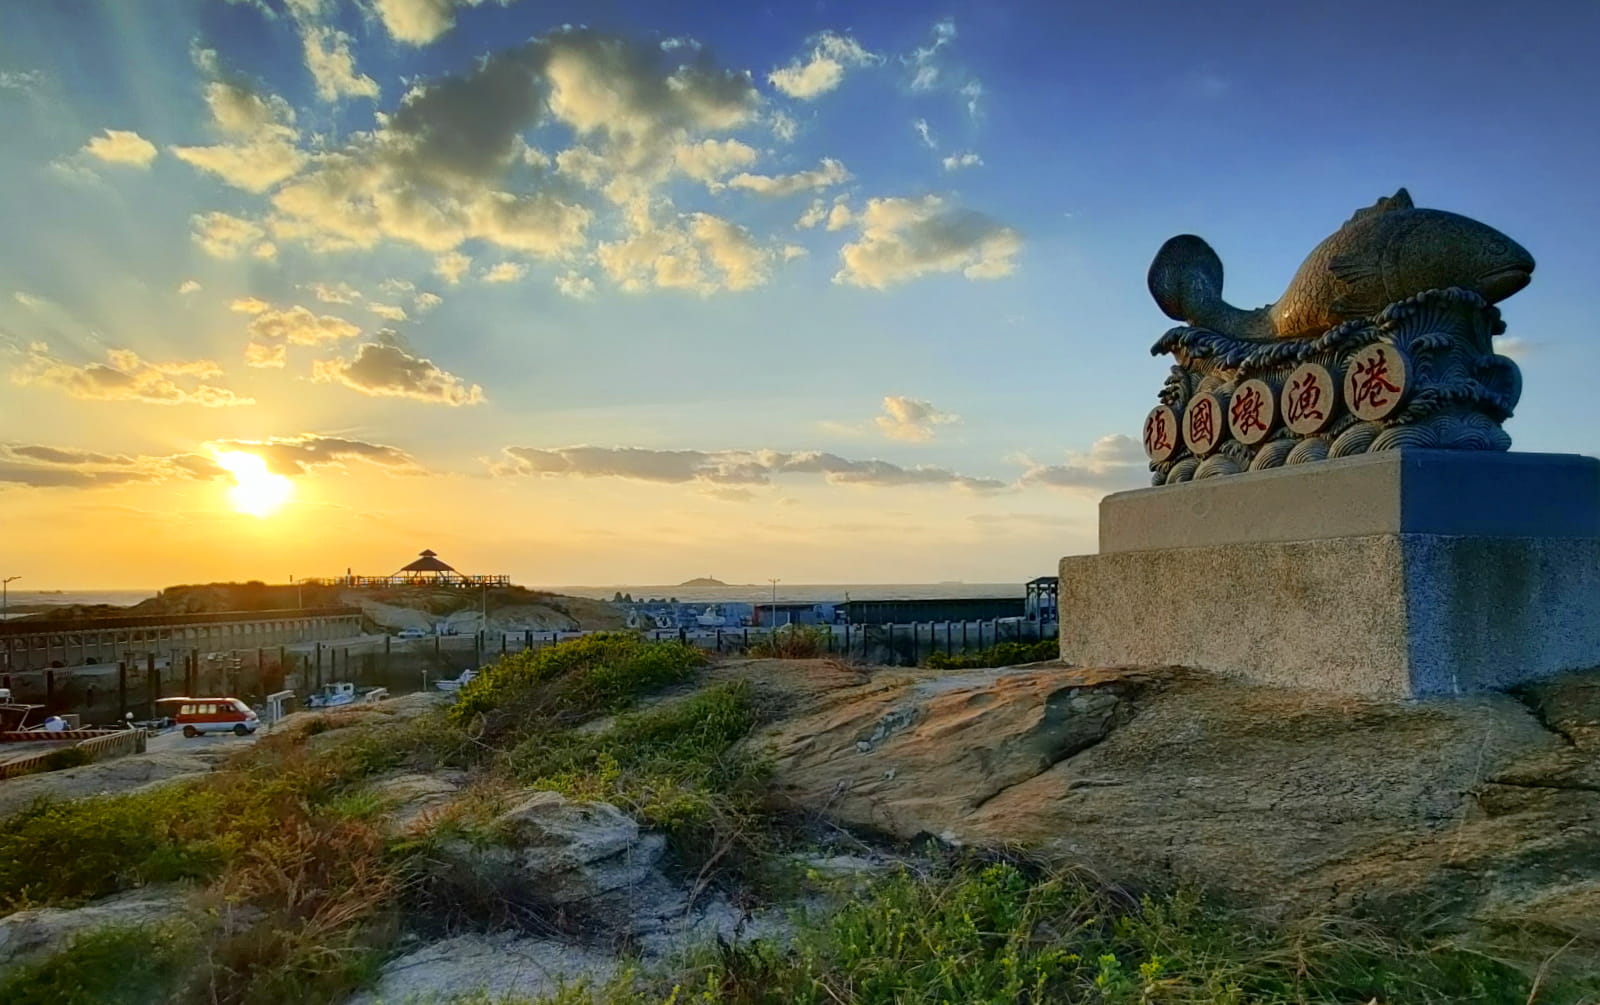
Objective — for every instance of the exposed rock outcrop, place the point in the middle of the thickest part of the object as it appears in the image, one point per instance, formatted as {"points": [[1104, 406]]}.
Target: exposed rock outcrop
{"points": [[27, 935], [1462, 810]]}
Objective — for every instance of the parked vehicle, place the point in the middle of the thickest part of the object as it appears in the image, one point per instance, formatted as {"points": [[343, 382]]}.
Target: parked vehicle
{"points": [[214, 715], [412, 633], [344, 693]]}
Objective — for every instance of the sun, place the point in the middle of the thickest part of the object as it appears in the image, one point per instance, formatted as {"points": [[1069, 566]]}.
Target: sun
{"points": [[256, 491]]}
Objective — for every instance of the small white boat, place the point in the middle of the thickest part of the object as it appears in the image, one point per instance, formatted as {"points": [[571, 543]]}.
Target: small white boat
{"points": [[455, 685], [344, 693]]}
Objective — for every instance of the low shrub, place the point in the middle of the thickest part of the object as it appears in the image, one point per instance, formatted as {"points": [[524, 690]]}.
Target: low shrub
{"points": [[1004, 654], [675, 768], [794, 642], [993, 933], [108, 966], [571, 681]]}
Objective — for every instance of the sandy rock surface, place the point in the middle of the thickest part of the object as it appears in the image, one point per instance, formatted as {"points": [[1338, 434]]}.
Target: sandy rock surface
{"points": [[26, 935], [1301, 802]]}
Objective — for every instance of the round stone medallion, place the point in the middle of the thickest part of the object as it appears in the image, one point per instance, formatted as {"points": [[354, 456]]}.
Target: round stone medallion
{"points": [[1375, 381], [1308, 399], [1203, 423], [1252, 412], [1161, 433]]}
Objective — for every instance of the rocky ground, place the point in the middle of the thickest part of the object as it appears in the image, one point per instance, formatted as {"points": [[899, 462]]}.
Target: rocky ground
{"points": [[1473, 815]]}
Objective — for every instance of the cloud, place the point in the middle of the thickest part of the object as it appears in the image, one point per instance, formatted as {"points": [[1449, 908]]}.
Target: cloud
{"points": [[334, 293], [930, 68], [710, 160], [451, 266], [42, 466], [956, 162], [1112, 462], [249, 305], [697, 252], [272, 331], [389, 312], [925, 62], [383, 369], [425, 302], [188, 286], [902, 239], [926, 133], [911, 419], [328, 57], [439, 171], [784, 127], [119, 146], [831, 54], [829, 172], [20, 80], [576, 286], [265, 152], [418, 22], [837, 216], [127, 377], [723, 467], [223, 236], [505, 272], [296, 455]]}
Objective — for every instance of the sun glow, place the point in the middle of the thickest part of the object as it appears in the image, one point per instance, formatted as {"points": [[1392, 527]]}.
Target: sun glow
{"points": [[256, 491]]}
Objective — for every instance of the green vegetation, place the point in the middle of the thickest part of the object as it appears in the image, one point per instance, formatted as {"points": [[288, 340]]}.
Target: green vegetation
{"points": [[991, 932], [573, 681], [1003, 655], [304, 895], [111, 966], [795, 642]]}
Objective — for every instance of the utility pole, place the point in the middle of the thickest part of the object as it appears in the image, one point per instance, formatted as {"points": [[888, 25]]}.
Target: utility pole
{"points": [[774, 583], [4, 600]]}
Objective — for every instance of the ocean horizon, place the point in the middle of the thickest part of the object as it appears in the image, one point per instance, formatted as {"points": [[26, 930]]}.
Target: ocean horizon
{"points": [[796, 593]]}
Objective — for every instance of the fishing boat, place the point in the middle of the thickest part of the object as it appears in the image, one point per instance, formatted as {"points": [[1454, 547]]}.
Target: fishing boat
{"points": [[455, 685], [341, 693]]}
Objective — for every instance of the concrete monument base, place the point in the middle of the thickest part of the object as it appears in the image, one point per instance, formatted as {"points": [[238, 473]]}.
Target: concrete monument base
{"points": [[1400, 574]]}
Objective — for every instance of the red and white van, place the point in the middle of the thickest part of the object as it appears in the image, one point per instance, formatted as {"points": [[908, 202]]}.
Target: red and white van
{"points": [[214, 715]]}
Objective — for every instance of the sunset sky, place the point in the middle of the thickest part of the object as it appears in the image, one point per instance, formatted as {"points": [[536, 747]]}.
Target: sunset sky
{"points": [[615, 292]]}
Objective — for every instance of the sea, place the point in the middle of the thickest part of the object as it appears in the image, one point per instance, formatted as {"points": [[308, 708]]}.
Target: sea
{"points": [[749, 593]]}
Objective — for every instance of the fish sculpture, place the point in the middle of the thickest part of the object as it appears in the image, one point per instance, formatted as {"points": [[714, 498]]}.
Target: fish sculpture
{"points": [[1384, 253]]}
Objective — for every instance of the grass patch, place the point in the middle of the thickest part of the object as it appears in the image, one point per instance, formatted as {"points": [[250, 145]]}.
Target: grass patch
{"points": [[795, 642], [675, 768], [1003, 655], [110, 966], [995, 933], [573, 681]]}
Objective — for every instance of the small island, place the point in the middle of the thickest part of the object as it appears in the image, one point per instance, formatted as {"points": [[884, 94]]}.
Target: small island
{"points": [[703, 581]]}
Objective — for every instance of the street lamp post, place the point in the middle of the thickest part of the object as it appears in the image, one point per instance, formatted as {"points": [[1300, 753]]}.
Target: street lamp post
{"points": [[4, 600]]}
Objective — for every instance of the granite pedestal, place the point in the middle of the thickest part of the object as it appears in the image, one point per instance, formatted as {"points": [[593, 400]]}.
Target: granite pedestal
{"points": [[1398, 574]]}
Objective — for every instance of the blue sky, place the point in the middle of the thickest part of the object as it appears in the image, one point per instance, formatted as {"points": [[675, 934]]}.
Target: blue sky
{"points": [[740, 253]]}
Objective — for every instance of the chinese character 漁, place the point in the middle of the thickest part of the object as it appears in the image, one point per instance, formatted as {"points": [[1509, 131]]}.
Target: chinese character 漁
{"points": [[1304, 400]]}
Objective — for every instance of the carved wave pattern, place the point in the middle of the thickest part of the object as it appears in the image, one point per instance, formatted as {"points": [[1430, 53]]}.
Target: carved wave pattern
{"points": [[1458, 391]]}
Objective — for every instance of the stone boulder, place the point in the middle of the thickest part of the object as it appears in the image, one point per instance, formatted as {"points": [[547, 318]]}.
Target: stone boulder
{"points": [[1462, 811], [32, 934], [415, 801]]}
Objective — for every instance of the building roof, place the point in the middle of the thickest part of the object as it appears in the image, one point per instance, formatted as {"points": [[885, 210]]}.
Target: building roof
{"points": [[427, 563], [1045, 581]]}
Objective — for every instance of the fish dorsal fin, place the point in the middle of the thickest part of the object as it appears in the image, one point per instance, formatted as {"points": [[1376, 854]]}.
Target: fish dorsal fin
{"points": [[1385, 204]]}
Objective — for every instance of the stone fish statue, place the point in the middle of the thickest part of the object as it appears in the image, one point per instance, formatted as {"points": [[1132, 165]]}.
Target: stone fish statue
{"points": [[1382, 254]]}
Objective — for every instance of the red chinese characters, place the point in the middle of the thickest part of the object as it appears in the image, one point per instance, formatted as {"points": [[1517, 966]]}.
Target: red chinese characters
{"points": [[1202, 424], [1252, 412], [1161, 433], [1375, 383], [1308, 399]]}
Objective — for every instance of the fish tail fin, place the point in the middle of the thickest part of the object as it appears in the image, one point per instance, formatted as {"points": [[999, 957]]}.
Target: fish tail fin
{"points": [[1186, 278], [1186, 281]]}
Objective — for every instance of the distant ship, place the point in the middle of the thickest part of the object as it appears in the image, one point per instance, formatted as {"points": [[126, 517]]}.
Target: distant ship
{"points": [[703, 581]]}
